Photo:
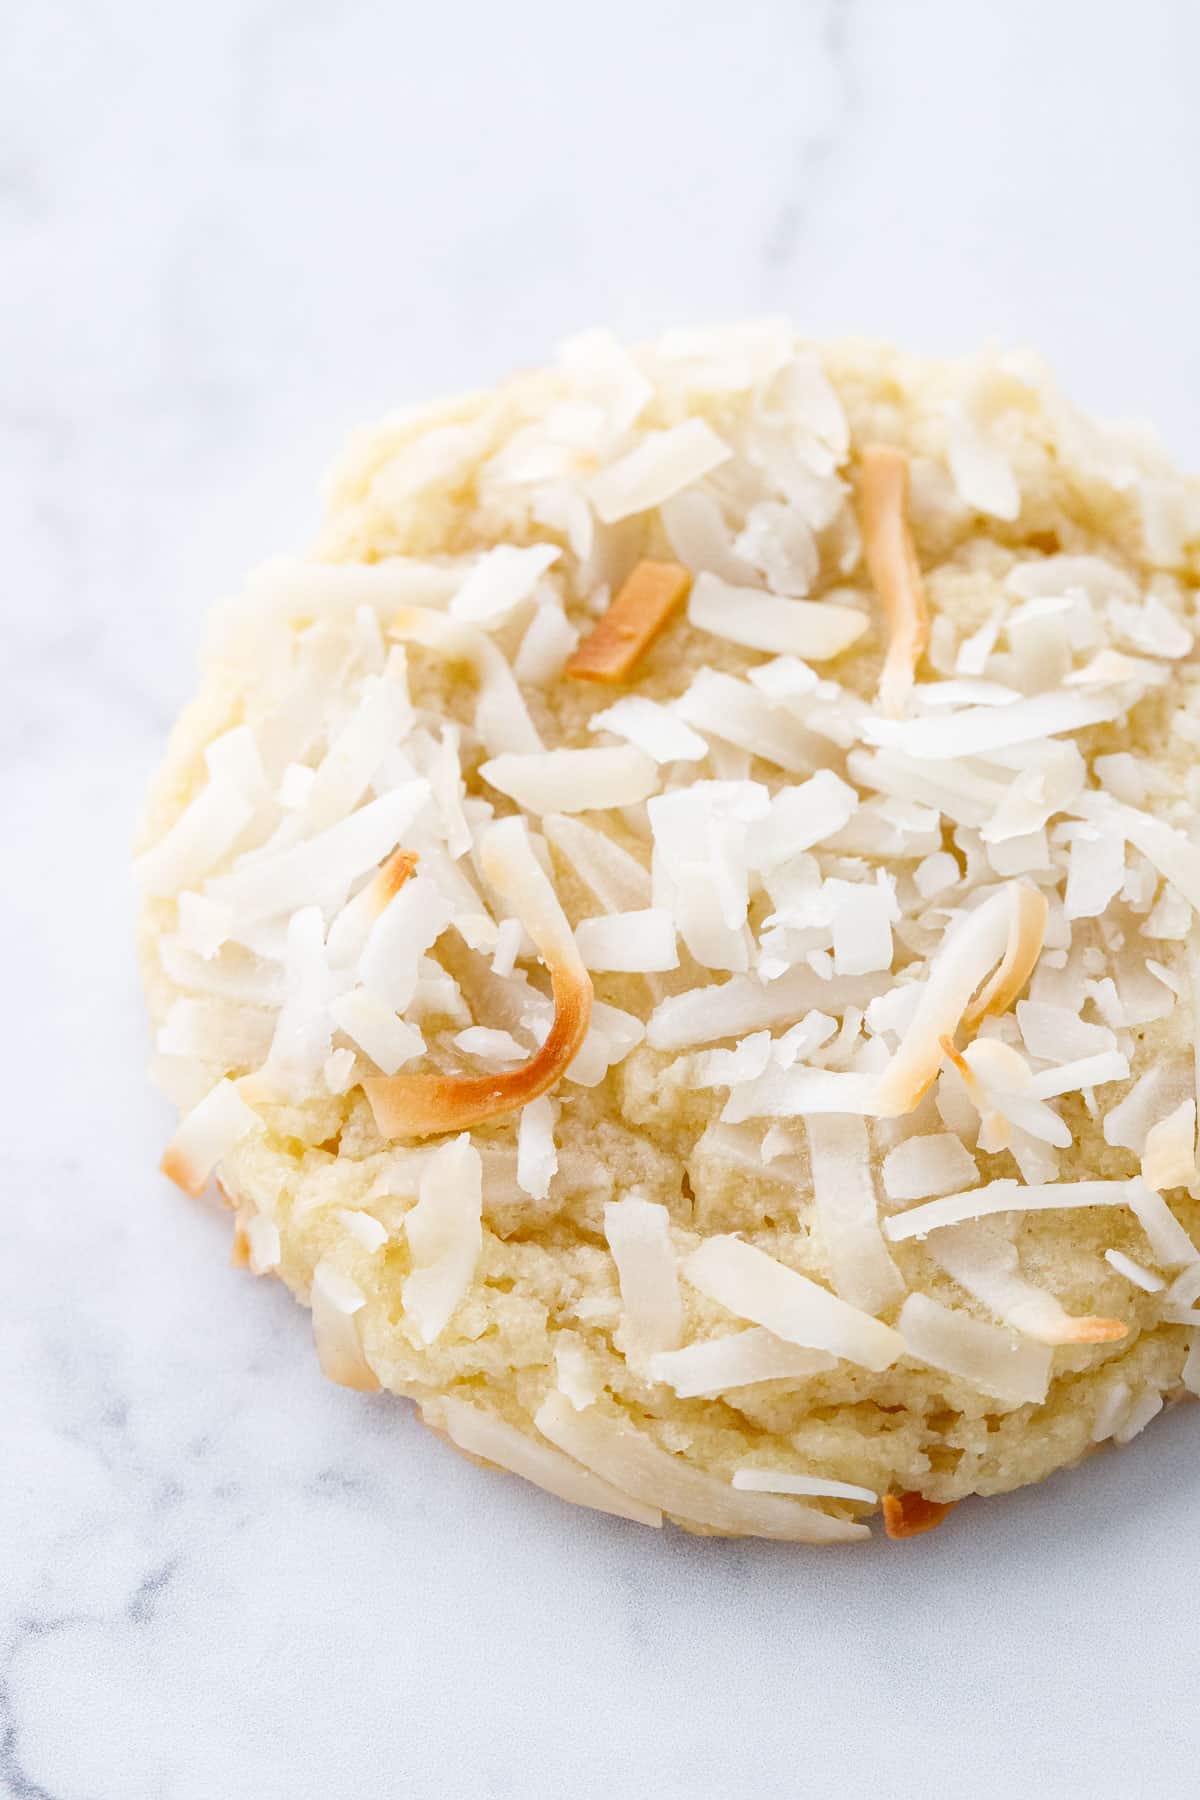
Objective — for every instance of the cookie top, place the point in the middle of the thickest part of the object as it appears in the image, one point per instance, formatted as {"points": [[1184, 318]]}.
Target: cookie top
{"points": [[674, 928]]}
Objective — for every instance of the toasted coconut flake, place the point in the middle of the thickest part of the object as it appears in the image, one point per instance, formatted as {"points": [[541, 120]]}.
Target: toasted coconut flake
{"points": [[988, 1267], [847, 1213], [721, 1365], [482, 1433], [209, 1132], [635, 1464], [813, 629], [567, 781], [501, 718], [1169, 1159], [992, 1359], [422, 1105], [817, 1487], [756, 1287], [335, 1300], [743, 1004], [1029, 909], [639, 1236], [445, 1237], [642, 609], [891, 557], [911, 1515], [999, 931]]}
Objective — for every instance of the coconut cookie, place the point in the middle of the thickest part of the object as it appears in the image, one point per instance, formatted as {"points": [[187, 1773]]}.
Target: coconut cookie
{"points": [[674, 929]]}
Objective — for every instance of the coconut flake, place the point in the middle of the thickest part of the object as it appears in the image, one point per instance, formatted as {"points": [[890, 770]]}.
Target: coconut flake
{"points": [[635, 1464], [863, 913], [319, 871], [545, 648], [1088, 1072], [1051, 1032], [816, 630], [214, 1127], [743, 1004], [660, 465], [701, 871], [978, 730], [1146, 1408], [611, 1035], [982, 473], [420, 1105], [1133, 1271], [721, 1365], [374, 1027], [537, 1157], [411, 922], [847, 1214], [1095, 872], [335, 1301], [630, 943], [785, 1481], [724, 707], [567, 781], [644, 607], [502, 578], [986, 1356], [1149, 627], [366, 1231], [501, 717], [895, 572], [1168, 1240], [205, 831], [756, 1287], [482, 1433], [923, 1166], [444, 1236], [988, 1267], [1169, 1158], [801, 816], [616, 879], [997, 932], [655, 730], [639, 1237], [1173, 854]]}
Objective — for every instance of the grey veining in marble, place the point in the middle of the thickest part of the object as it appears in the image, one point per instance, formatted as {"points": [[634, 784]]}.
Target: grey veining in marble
{"points": [[229, 231]]}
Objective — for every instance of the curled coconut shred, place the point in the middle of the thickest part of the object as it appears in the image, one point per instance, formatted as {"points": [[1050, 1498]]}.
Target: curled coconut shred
{"points": [[861, 889]]}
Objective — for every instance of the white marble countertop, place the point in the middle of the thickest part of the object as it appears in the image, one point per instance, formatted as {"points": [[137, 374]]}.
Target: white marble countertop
{"points": [[230, 231]]}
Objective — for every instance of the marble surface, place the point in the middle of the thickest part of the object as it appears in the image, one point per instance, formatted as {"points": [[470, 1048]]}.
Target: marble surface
{"points": [[229, 231]]}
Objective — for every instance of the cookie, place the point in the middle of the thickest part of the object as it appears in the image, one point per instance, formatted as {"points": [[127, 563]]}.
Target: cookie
{"points": [[673, 929]]}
